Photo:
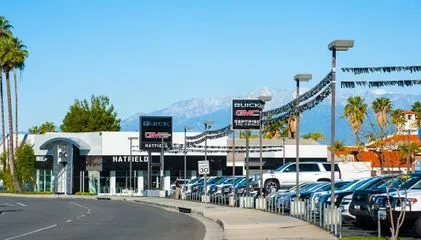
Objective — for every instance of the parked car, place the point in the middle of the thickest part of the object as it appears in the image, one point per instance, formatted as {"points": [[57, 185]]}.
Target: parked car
{"points": [[363, 200], [190, 184], [285, 176]]}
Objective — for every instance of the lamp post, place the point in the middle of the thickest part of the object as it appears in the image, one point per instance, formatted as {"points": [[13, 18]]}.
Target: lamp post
{"points": [[233, 153], [283, 150], [207, 126], [161, 172], [264, 99], [185, 155], [130, 162], [298, 78], [337, 45]]}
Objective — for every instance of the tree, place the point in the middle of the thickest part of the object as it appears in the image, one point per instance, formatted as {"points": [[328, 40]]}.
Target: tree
{"points": [[96, 115], [44, 128], [408, 153], [275, 130], [292, 126], [7, 60], [316, 136], [18, 61], [339, 146], [382, 108], [5, 32], [25, 164], [356, 112], [416, 107], [398, 118]]}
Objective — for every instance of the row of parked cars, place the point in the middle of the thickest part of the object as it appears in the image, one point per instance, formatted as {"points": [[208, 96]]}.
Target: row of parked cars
{"points": [[361, 200]]}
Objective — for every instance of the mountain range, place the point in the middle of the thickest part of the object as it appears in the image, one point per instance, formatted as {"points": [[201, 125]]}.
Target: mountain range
{"points": [[195, 111]]}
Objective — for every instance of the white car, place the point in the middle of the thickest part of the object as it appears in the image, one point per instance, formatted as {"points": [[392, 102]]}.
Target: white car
{"points": [[346, 201], [285, 176]]}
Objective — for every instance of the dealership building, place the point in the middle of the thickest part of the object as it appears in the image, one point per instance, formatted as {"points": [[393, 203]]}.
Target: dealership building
{"points": [[100, 162]]}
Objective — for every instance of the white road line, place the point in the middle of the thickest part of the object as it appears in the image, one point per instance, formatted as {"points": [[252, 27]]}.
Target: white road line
{"points": [[21, 204], [77, 204], [9, 205], [82, 215], [68, 221], [28, 233]]}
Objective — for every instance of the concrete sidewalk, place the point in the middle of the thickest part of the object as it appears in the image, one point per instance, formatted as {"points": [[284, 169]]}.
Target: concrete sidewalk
{"points": [[240, 223]]}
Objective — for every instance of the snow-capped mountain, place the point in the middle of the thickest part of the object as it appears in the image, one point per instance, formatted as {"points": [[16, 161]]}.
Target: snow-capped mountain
{"points": [[195, 111]]}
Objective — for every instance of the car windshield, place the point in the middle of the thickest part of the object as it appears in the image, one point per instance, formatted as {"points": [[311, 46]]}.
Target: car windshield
{"points": [[342, 185], [370, 183], [237, 180], [221, 180], [416, 186], [401, 182], [194, 180], [281, 167]]}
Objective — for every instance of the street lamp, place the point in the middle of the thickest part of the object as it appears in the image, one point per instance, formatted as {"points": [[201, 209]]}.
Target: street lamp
{"points": [[130, 163], [264, 99], [161, 172], [298, 78], [185, 155], [337, 45], [207, 126]]}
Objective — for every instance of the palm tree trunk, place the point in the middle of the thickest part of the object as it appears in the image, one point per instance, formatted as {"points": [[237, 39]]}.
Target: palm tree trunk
{"points": [[16, 108], [11, 150], [3, 132]]}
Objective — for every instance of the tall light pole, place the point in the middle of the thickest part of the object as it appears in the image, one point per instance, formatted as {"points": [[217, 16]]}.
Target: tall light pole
{"points": [[207, 126], [337, 45], [283, 150], [298, 78], [264, 99], [131, 160], [233, 153], [185, 155], [161, 172]]}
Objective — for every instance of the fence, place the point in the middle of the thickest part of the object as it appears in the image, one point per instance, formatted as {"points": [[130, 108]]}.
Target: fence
{"points": [[320, 215]]}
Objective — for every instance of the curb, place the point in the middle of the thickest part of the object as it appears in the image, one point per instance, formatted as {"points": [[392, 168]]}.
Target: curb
{"points": [[218, 221]]}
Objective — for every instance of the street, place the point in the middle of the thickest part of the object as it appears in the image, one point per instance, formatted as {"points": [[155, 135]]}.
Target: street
{"points": [[26, 218]]}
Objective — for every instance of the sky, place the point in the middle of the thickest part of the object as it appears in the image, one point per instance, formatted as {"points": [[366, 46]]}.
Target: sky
{"points": [[145, 55]]}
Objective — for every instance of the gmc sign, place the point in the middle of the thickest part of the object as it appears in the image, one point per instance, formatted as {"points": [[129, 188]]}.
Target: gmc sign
{"points": [[152, 130], [246, 114]]}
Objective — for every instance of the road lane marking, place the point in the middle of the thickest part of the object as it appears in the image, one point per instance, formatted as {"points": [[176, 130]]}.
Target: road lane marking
{"points": [[82, 215], [28, 233], [21, 204], [9, 205], [68, 221]]}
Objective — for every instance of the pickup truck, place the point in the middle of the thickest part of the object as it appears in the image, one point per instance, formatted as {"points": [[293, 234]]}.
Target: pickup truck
{"points": [[285, 176]]}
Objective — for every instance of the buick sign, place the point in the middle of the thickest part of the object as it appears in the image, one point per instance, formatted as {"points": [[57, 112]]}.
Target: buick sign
{"points": [[246, 114], [152, 130]]}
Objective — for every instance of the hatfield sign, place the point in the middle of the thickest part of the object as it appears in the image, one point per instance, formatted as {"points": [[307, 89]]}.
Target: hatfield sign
{"points": [[246, 114], [152, 130]]}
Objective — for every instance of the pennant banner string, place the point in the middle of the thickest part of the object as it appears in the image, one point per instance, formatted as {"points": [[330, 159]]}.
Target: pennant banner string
{"points": [[366, 70], [379, 83]]}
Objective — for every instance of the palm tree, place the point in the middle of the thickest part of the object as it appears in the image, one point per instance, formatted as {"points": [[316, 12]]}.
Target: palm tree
{"points": [[398, 118], [316, 136], [411, 151], [416, 107], [5, 32], [292, 126], [7, 62], [356, 112], [19, 55], [275, 130], [382, 107]]}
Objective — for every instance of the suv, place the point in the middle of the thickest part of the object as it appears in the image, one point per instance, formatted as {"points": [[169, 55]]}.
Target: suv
{"points": [[285, 176]]}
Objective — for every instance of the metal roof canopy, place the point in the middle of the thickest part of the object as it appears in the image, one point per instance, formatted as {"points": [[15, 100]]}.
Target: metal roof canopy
{"points": [[74, 141]]}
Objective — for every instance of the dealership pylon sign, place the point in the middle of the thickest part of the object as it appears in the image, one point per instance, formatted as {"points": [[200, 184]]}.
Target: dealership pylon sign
{"points": [[154, 129], [246, 114]]}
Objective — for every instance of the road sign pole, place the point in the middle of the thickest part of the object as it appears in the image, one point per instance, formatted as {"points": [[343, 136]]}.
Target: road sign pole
{"points": [[247, 162], [149, 169], [206, 158]]}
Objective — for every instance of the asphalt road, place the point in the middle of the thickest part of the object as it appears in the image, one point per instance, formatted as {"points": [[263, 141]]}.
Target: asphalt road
{"points": [[26, 218]]}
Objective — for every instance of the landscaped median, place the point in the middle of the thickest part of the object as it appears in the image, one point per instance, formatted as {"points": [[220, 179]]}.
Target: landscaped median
{"points": [[240, 223]]}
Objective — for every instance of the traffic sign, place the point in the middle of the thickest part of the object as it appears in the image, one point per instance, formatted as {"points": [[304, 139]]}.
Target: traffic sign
{"points": [[203, 167]]}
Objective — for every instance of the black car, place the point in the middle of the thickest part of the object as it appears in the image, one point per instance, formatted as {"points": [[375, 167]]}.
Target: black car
{"points": [[363, 200]]}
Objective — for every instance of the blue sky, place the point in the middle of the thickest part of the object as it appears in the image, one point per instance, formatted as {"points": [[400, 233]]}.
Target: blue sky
{"points": [[146, 55]]}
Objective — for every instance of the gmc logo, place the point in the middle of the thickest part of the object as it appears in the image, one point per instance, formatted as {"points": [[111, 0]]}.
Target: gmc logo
{"points": [[155, 135], [249, 113]]}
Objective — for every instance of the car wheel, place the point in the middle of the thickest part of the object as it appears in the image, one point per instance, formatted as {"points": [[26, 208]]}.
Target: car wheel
{"points": [[418, 226], [271, 185]]}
